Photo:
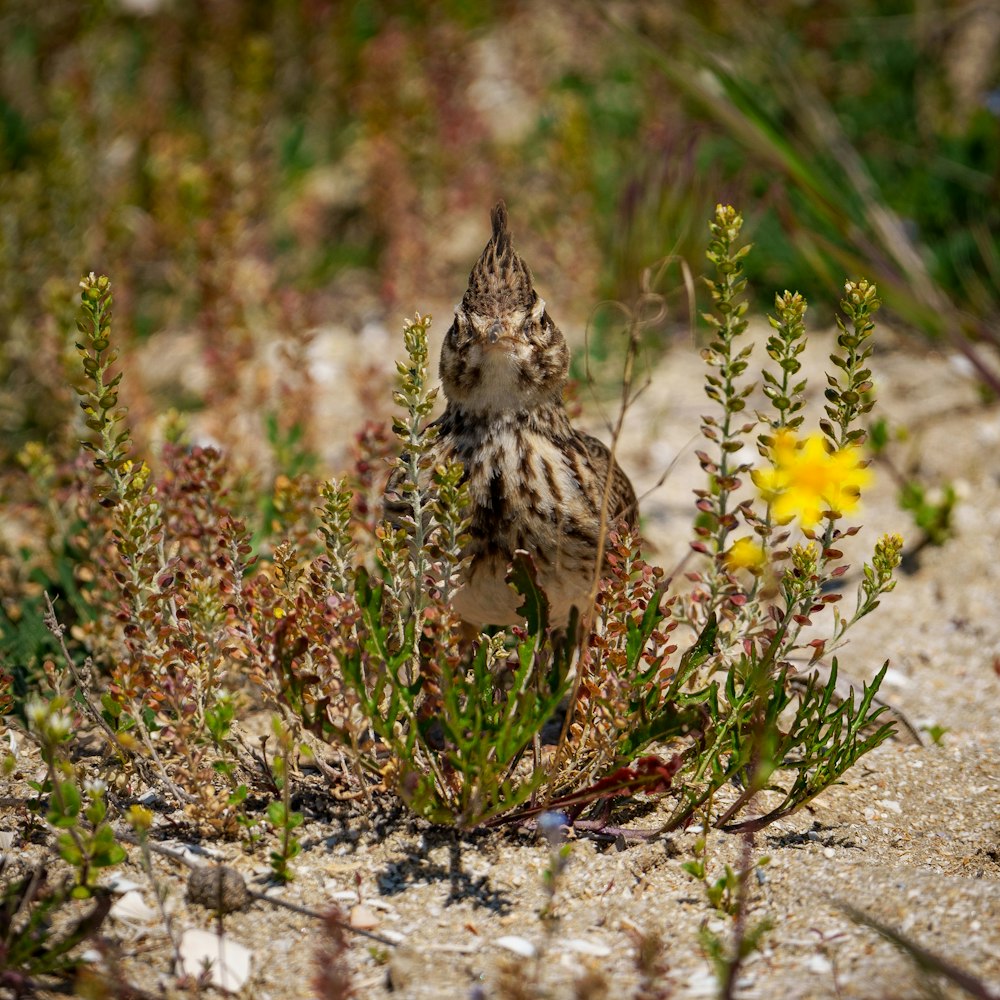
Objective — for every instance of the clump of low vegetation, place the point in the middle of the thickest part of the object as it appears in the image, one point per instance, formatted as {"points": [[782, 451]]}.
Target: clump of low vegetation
{"points": [[196, 606]]}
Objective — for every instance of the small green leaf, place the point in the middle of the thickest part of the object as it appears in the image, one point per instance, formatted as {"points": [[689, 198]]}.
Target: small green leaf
{"points": [[523, 577]]}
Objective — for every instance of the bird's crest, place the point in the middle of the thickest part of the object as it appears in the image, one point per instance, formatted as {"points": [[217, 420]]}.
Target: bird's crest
{"points": [[501, 281]]}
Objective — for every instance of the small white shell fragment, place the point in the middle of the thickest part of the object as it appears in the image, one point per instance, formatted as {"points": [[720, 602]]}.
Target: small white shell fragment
{"points": [[896, 678], [120, 885], [6, 840], [519, 945], [581, 947], [194, 854], [820, 964], [702, 984], [133, 909], [962, 365], [227, 961], [363, 918]]}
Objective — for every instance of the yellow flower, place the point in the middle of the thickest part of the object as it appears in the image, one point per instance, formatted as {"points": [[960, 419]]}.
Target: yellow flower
{"points": [[745, 553], [806, 480]]}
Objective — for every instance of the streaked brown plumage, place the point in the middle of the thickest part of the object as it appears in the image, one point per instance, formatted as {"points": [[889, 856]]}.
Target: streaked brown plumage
{"points": [[535, 482]]}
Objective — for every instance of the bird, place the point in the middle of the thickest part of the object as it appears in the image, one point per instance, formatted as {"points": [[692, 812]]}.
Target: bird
{"points": [[535, 483]]}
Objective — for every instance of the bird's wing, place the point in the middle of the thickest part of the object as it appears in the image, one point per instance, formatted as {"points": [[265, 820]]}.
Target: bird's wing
{"points": [[622, 501]]}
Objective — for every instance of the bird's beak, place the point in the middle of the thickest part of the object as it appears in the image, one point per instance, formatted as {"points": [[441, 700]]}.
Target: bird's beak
{"points": [[494, 333]]}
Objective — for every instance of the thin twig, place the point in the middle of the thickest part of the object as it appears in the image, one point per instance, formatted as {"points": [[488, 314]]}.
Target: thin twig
{"points": [[58, 631], [926, 960]]}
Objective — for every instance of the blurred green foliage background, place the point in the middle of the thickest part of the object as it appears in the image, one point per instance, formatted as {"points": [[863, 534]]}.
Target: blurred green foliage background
{"points": [[247, 171]]}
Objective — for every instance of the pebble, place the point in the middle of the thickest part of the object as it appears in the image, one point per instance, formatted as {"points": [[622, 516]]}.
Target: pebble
{"points": [[131, 908], [896, 678], [518, 945], [703, 984], [217, 887], [193, 853], [582, 947], [363, 918], [227, 961]]}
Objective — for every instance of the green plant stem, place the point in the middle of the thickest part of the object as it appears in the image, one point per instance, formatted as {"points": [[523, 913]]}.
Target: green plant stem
{"points": [[83, 870]]}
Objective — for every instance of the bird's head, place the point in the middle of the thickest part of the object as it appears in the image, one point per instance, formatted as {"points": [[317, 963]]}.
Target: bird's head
{"points": [[502, 352]]}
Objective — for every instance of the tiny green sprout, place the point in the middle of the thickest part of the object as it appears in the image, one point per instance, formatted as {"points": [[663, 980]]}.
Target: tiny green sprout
{"points": [[723, 893], [878, 435], [219, 718], [932, 510], [936, 733], [932, 507], [279, 812]]}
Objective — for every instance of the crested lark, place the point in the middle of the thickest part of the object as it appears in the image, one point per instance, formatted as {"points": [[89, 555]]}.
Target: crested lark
{"points": [[535, 483]]}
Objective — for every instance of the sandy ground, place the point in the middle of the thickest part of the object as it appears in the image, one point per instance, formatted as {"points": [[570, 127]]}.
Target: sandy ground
{"points": [[912, 837]]}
